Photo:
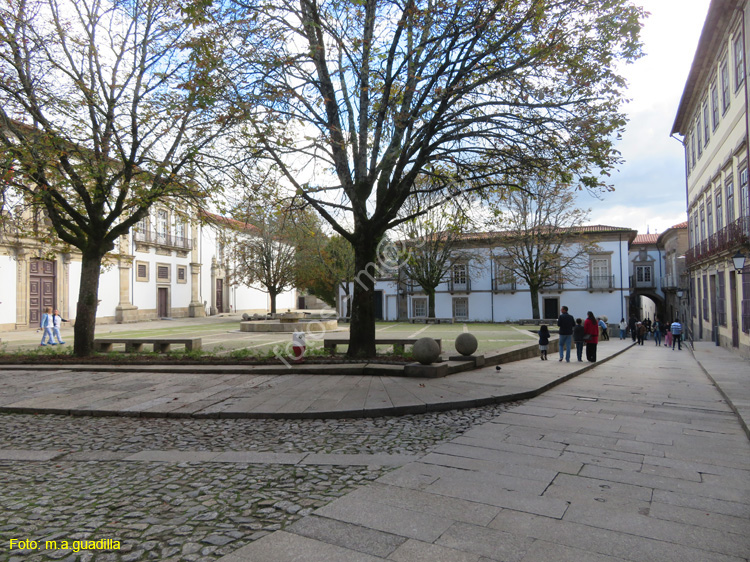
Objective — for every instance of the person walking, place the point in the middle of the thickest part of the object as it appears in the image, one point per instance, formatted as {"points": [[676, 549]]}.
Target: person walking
{"points": [[667, 335], [543, 341], [656, 327], [676, 329], [57, 321], [632, 325], [46, 325], [604, 327], [578, 335], [591, 337], [641, 329], [566, 323], [623, 328]]}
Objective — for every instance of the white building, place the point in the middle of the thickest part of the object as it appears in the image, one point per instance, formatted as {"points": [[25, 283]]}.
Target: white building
{"points": [[170, 266], [480, 289], [713, 120]]}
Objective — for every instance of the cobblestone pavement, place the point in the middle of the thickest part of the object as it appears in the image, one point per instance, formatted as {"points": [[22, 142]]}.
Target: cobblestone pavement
{"points": [[188, 511]]}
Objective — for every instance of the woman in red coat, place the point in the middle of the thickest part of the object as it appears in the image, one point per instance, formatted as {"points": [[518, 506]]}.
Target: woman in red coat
{"points": [[591, 331]]}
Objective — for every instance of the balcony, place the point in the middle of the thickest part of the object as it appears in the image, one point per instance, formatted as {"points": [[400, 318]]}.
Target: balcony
{"points": [[459, 287], [160, 239], [645, 282], [670, 282], [504, 285], [413, 288], [728, 238], [600, 282]]}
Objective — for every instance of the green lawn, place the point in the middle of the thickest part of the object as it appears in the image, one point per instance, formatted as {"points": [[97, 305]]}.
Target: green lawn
{"points": [[222, 336]]}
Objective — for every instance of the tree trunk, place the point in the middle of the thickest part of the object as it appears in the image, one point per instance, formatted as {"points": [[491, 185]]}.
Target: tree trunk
{"points": [[88, 302], [430, 302], [273, 296], [362, 325], [534, 303]]}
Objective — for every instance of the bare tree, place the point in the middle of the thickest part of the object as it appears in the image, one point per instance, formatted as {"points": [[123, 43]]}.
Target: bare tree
{"points": [[356, 101], [432, 243], [543, 242], [263, 253], [105, 108]]}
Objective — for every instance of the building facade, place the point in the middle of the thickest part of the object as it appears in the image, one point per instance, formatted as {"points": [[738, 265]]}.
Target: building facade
{"points": [[480, 288], [171, 265], [712, 120]]}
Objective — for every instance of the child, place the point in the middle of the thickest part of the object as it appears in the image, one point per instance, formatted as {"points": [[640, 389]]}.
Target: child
{"points": [[578, 333], [57, 321], [667, 336], [543, 341]]}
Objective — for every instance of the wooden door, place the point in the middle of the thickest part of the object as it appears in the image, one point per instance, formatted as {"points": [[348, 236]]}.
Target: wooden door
{"points": [[163, 302], [219, 296], [41, 289]]}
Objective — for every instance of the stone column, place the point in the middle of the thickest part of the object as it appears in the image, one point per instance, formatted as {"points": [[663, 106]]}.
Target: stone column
{"points": [[125, 311], [22, 289], [195, 308]]}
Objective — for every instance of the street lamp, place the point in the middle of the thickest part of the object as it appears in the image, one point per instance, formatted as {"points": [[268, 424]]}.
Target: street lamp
{"points": [[680, 293], [739, 262]]}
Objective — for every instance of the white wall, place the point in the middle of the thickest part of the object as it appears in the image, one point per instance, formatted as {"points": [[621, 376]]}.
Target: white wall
{"points": [[8, 283]]}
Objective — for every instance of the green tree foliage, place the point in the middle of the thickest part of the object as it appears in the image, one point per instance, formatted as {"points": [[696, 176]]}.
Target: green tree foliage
{"points": [[105, 108], [357, 101]]}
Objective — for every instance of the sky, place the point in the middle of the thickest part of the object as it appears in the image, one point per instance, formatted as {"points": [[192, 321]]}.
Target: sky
{"points": [[650, 186]]}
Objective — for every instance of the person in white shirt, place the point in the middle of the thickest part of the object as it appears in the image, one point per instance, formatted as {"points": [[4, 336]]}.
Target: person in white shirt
{"points": [[57, 321], [676, 329]]}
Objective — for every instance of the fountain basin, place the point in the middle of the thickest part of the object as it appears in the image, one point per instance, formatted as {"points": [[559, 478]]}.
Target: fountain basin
{"points": [[286, 325]]}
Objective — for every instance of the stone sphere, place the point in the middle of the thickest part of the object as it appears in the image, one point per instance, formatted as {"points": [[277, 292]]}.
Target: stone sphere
{"points": [[466, 344], [426, 351], [245, 316]]}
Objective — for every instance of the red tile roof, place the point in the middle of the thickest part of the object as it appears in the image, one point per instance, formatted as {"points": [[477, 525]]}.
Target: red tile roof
{"points": [[646, 239]]}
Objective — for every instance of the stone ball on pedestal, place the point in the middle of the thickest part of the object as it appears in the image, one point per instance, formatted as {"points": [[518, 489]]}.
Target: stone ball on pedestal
{"points": [[466, 344], [426, 351]]}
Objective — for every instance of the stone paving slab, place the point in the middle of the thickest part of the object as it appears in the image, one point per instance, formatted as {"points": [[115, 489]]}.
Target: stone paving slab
{"points": [[640, 459]]}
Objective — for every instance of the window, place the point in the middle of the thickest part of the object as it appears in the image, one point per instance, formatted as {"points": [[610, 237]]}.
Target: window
{"points": [[696, 232], [719, 211], [419, 308], [643, 274], [461, 308], [181, 274], [179, 228], [703, 224], [739, 62], [600, 278], [709, 217], [162, 226], [692, 150], [459, 277], [744, 210], [714, 106], [706, 126], [142, 225], [721, 299], [504, 278], [724, 85], [729, 190], [699, 134], [163, 272], [141, 271]]}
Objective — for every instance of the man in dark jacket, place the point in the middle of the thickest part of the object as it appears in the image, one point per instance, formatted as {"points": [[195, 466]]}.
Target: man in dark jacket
{"points": [[566, 323]]}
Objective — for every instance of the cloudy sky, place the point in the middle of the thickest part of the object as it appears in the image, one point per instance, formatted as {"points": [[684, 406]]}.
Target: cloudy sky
{"points": [[650, 186]]}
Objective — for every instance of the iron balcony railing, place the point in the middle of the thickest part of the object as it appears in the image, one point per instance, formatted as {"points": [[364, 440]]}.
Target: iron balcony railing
{"points": [[670, 282], [454, 286], [731, 236], [161, 239], [504, 286], [604, 282]]}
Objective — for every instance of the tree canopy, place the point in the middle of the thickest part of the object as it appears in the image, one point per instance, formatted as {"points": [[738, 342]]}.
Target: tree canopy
{"points": [[357, 101], [105, 108]]}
